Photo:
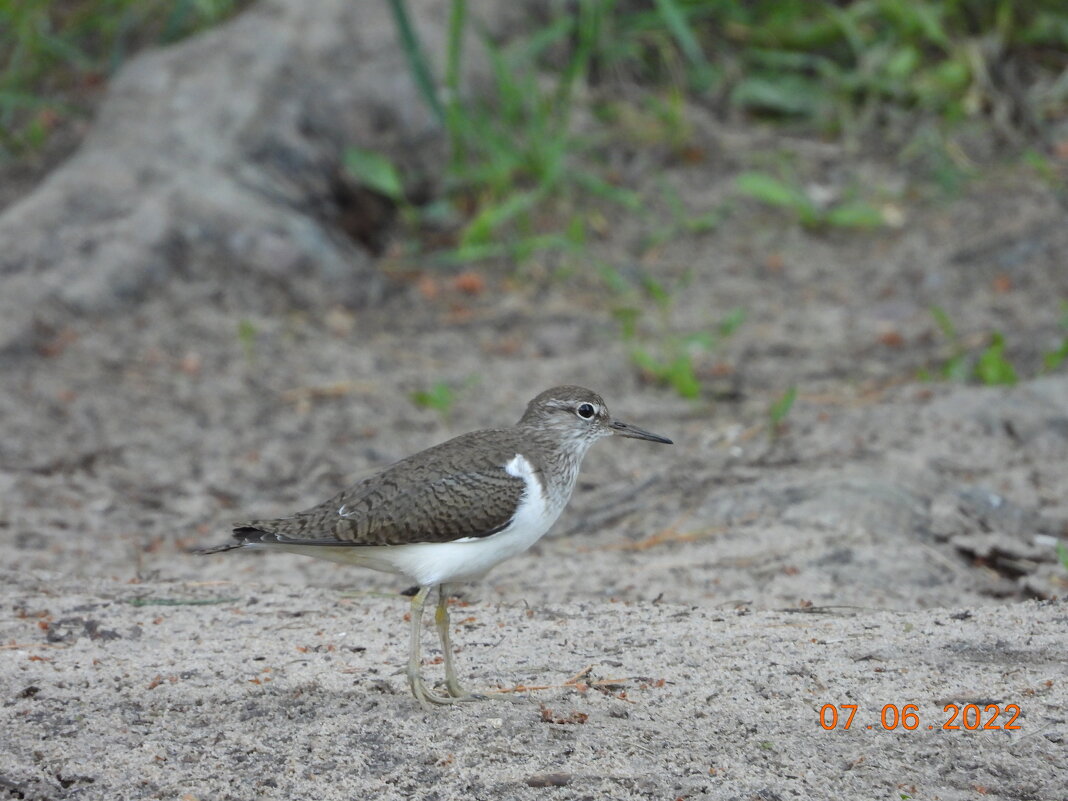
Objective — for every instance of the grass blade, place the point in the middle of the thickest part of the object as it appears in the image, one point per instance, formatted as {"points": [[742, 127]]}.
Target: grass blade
{"points": [[675, 22], [416, 56], [374, 171], [455, 121]]}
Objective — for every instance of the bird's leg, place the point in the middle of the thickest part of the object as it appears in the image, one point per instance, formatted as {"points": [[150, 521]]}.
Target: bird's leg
{"points": [[415, 680], [441, 620]]}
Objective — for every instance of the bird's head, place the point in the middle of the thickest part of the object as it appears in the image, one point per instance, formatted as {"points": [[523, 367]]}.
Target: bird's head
{"points": [[580, 414]]}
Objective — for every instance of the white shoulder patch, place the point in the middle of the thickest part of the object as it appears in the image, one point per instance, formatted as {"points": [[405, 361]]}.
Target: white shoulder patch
{"points": [[533, 510], [520, 468]]}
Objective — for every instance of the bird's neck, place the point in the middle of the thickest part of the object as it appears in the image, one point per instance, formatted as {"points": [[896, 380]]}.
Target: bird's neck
{"points": [[560, 460]]}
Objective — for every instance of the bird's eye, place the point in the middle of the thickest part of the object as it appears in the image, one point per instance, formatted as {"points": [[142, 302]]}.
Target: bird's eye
{"points": [[586, 411]]}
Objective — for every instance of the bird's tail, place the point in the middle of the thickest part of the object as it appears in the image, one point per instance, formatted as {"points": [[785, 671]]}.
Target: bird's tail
{"points": [[244, 534], [226, 546]]}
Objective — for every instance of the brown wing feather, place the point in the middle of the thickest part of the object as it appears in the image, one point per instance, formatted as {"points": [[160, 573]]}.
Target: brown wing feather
{"points": [[442, 494]]}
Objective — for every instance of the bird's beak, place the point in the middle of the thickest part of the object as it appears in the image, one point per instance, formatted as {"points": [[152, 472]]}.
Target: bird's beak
{"points": [[626, 430]]}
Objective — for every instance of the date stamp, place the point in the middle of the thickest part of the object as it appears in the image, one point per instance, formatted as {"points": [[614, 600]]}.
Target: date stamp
{"points": [[969, 717]]}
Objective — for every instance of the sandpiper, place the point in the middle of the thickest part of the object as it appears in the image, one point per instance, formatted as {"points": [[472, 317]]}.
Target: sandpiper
{"points": [[450, 513]]}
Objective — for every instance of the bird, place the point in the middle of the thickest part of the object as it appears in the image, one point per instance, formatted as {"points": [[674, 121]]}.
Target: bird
{"points": [[448, 514]]}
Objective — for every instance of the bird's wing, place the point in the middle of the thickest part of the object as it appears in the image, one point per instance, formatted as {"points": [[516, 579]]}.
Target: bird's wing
{"points": [[442, 495]]}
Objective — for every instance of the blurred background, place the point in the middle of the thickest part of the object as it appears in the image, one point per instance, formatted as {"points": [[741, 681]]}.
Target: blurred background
{"points": [[251, 251]]}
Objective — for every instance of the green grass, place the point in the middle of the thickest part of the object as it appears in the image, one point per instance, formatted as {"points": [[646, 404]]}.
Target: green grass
{"points": [[680, 221], [246, 336], [986, 361], [440, 396], [775, 192], [516, 164], [376, 172], [53, 51], [849, 66], [1053, 359], [992, 367], [658, 350], [672, 363], [780, 410], [522, 178], [841, 67]]}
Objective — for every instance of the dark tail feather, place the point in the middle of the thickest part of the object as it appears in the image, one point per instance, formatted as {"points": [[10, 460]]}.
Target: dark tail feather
{"points": [[228, 546], [244, 534], [250, 534]]}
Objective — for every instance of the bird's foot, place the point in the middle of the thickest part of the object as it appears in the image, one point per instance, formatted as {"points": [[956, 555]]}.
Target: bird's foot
{"points": [[427, 697]]}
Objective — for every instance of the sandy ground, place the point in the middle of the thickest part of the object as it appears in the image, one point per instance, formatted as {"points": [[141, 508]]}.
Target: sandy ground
{"points": [[712, 597], [238, 690], [695, 608]]}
